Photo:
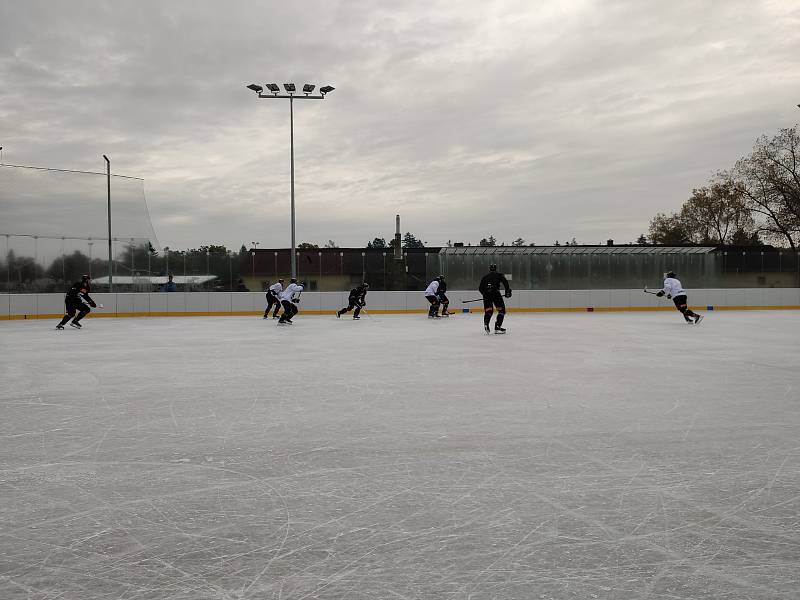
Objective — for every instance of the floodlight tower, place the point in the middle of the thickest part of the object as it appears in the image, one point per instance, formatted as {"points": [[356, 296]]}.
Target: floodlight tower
{"points": [[290, 95], [110, 259]]}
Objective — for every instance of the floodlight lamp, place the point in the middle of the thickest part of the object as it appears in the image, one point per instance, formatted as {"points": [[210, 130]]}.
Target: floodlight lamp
{"points": [[308, 88], [273, 87], [256, 88], [289, 87], [326, 89]]}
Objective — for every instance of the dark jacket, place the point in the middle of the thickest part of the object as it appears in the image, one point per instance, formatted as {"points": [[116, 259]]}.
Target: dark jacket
{"points": [[491, 283], [358, 294], [79, 293]]}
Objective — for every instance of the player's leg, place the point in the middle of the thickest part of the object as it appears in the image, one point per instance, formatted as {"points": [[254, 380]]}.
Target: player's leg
{"points": [[70, 312], [434, 310], [287, 311], [680, 304], [501, 313], [488, 310], [82, 312], [346, 309], [445, 302]]}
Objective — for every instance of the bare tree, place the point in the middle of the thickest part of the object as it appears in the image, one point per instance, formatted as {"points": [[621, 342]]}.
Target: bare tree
{"points": [[769, 180]]}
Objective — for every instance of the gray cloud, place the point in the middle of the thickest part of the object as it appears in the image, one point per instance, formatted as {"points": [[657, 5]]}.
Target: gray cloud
{"points": [[509, 118]]}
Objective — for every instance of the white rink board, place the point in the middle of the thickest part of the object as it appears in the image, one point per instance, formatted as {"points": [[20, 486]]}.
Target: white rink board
{"points": [[34, 305], [602, 455]]}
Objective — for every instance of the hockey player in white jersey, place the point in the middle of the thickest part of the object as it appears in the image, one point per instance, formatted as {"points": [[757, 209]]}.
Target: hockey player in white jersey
{"points": [[290, 298], [273, 297], [673, 289], [432, 296]]}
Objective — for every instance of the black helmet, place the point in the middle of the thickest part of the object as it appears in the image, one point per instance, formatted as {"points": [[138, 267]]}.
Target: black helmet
{"points": [[365, 285], [493, 267], [293, 280], [85, 278], [669, 274], [280, 280], [440, 277]]}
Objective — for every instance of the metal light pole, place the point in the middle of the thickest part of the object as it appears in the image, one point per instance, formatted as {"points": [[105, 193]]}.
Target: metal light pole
{"points": [[110, 263], [290, 95]]}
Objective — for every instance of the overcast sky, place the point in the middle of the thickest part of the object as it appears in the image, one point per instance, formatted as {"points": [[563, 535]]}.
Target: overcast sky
{"points": [[544, 120]]}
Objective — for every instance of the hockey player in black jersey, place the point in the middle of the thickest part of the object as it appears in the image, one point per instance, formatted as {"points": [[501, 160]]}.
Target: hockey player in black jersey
{"points": [[442, 297], [490, 290], [357, 300], [77, 300]]}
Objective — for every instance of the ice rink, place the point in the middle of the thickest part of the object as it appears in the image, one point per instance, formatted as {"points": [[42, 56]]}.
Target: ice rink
{"points": [[606, 455]]}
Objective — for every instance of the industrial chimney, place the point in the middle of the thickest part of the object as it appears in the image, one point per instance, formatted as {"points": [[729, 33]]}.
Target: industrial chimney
{"points": [[398, 249]]}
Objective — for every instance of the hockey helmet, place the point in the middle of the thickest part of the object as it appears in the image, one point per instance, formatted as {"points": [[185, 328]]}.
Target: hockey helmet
{"points": [[293, 280], [280, 280], [365, 285], [493, 267], [440, 278], [85, 277], [669, 274]]}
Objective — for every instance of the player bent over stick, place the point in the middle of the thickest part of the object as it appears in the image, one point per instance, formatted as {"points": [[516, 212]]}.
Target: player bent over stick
{"points": [[433, 296], [273, 297], [77, 299], [490, 290], [290, 301], [357, 299], [673, 289]]}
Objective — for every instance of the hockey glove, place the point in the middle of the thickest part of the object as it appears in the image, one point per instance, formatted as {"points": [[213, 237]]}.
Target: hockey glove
{"points": [[661, 293], [92, 304], [296, 300], [669, 296], [508, 293]]}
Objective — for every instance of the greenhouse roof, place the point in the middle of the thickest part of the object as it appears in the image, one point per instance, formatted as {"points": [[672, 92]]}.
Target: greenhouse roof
{"points": [[516, 250]]}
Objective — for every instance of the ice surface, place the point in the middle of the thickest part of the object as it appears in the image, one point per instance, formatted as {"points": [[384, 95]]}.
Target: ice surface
{"points": [[614, 456]]}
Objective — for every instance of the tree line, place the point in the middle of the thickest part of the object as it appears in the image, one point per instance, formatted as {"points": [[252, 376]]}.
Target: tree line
{"points": [[757, 200]]}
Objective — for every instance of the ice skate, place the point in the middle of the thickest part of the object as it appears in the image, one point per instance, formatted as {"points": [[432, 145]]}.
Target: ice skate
{"points": [[499, 330], [75, 325], [697, 319], [355, 318], [59, 326], [488, 331]]}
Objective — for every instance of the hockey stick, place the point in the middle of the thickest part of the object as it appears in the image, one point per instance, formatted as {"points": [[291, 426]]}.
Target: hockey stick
{"points": [[646, 291], [476, 300]]}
